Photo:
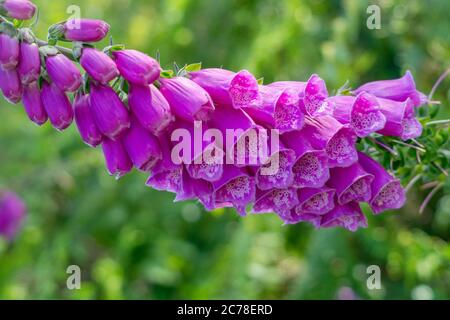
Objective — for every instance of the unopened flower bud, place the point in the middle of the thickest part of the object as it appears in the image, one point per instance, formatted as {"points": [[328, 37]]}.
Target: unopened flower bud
{"points": [[137, 67], [18, 9], [57, 106], [30, 63], [84, 119], [63, 72], [98, 65], [33, 104]]}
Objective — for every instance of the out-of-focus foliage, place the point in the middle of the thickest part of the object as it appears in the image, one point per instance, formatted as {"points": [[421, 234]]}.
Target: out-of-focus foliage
{"points": [[132, 242]]}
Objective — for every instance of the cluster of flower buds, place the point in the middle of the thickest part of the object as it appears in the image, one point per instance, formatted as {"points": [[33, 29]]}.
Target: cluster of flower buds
{"points": [[139, 114], [12, 213]]}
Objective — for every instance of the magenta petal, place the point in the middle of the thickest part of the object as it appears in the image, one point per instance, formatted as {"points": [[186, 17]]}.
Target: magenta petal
{"points": [[227, 88], [19, 9], [283, 85], [57, 105], [387, 191], [276, 173], [84, 119], [216, 82], [263, 114], [348, 216], [63, 72], [142, 147], [166, 180], [98, 65], [293, 218], [85, 30], [280, 201], [280, 107], [110, 114], [166, 175], [150, 107], [29, 68], [310, 169], [398, 89], [317, 201], [208, 172], [412, 128], [196, 153], [196, 189], [137, 67], [10, 85], [117, 161], [338, 140], [235, 187], [240, 135], [400, 119], [12, 214], [351, 184], [288, 115], [187, 99], [33, 104], [315, 96], [362, 113], [9, 51], [244, 90]]}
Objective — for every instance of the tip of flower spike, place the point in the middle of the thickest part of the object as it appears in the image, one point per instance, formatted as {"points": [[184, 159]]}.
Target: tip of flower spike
{"points": [[391, 196], [315, 96], [244, 90], [366, 116]]}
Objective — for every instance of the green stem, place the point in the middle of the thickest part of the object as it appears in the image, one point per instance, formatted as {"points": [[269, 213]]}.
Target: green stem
{"points": [[413, 182], [429, 197], [438, 82], [384, 146], [410, 146], [437, 165], [437, 122]]}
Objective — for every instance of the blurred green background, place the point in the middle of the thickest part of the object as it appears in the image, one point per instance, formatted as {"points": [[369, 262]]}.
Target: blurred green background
{"points": [[132, 242]]}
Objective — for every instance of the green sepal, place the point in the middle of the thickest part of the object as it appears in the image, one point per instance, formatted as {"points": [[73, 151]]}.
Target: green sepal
{"points": [[193, 67], [9, 29], [115, 47], [168, 74], [49, 50]]}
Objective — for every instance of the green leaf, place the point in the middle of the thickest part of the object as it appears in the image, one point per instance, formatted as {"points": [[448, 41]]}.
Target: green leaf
{"points": [[433, 111], [167, 74], [193, 67]]}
